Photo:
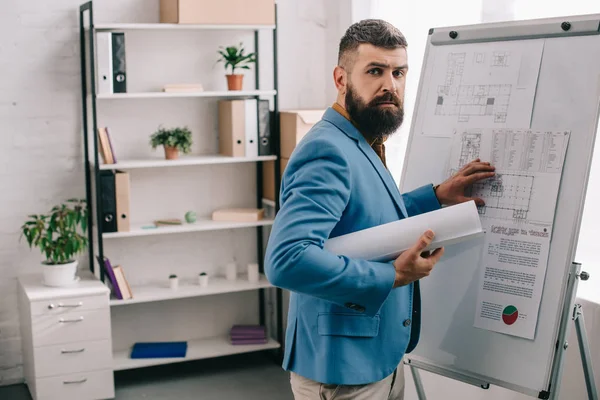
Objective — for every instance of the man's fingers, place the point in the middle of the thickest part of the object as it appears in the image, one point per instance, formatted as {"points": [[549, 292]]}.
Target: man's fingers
{"points": [[423, 242], [478, 167], [437, 254], [471, 179]]}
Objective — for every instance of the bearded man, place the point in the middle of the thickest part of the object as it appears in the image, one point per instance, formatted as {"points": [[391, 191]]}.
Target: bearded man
{"points": [[351, 321]]}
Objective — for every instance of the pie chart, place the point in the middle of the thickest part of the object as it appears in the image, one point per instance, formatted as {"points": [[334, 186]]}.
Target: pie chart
{"points": [[510, 315]]}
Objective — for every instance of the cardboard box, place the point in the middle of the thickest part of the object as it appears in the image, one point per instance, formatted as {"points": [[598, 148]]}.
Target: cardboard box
{"points": [[222, 12], [294, 125], [269, 177]]}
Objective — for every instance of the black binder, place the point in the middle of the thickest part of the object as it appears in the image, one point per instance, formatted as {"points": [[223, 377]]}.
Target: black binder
{"points": [[118, 61], [265, 147], [108, 202]]}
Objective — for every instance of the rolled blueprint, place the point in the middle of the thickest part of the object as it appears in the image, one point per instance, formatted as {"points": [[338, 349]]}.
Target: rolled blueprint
{"points": [[385, 242]]}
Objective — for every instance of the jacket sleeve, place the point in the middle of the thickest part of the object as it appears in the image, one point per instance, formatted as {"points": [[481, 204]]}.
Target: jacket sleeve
{"points": [[421, 200], [315, 191]]}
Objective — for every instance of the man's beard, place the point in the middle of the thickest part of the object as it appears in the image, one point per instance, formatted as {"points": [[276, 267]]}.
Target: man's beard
{"points": [[371, 120]]}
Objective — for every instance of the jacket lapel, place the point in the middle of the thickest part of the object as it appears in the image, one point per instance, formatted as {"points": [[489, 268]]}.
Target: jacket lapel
{"points": [[350, 130]]}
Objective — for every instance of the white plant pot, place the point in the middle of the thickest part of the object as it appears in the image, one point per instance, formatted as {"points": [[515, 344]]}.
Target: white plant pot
{"points": [[174, 283], [203, 280], [58, 275]]}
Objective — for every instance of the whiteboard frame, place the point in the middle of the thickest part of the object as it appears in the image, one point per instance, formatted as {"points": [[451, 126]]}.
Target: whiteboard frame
{"points": [[577, 25]]}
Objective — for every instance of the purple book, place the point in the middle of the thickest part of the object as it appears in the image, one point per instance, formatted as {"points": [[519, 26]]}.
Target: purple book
{"points": [[248, 329], [248, 341], [111, 275]]}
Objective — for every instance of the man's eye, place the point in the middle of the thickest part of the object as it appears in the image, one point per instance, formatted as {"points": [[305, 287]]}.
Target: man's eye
{"points": [[375, 71], [398, 73]]}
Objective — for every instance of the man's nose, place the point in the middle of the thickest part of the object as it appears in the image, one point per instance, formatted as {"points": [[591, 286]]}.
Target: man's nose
{"points": [[389, 84]]}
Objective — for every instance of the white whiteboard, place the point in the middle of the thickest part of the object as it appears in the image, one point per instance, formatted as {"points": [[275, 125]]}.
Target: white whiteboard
{"points": [[567, 98]]}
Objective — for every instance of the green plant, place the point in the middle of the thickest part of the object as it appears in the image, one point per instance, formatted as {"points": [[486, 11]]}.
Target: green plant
{"points": [[180, 138], [234, 57], [60, 235]]}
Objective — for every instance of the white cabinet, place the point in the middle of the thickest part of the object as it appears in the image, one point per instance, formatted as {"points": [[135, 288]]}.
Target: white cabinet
{"points": [[66, 339]]}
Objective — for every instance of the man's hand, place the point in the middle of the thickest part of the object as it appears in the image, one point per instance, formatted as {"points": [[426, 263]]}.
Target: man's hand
{"points": [[413, 264], [452, 191]]}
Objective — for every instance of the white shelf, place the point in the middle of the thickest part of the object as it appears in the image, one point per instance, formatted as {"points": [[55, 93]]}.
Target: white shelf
{"points": [[184, 161], [189, 288], [198, 226], [196, 350], [164, 26], [159, 94]]}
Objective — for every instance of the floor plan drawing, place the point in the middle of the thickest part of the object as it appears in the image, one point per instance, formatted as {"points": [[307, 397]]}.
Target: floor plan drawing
{"points": [[470, 148], [478, 85], [465, 101], [501, 59], [506, 196]]}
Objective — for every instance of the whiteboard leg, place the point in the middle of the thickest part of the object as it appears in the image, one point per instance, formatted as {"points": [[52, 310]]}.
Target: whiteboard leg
{"points": [[418, 383], [565, 321], [588, 371]]}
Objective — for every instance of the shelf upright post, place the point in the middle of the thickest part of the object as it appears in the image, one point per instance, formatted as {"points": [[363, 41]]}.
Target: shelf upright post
{"points": [[259, 186], [84, 91], [275, 143]]}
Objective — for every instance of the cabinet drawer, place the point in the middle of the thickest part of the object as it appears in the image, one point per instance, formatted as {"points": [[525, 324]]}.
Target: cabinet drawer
{"points": [[64, 305], [73, 357], [94, 385], [71, 327]]}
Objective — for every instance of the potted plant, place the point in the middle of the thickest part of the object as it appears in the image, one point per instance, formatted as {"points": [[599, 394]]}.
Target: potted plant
{"points": [[60, 236], [203, 279], [173, 140], [234, 57], [173, 281]]}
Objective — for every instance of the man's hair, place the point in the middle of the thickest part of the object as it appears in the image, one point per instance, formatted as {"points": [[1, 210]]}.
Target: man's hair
{"points": [[376, 32]]}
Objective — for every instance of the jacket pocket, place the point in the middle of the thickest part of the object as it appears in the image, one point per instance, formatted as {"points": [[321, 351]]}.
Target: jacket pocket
{"points": [[338, 324]]}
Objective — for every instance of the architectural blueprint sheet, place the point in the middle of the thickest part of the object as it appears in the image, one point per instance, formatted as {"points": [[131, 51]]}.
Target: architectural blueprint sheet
{"points": [[481, 85], [518, 215]]}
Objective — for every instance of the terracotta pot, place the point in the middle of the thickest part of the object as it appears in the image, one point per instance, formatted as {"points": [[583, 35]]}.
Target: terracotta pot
{"points": [[171, 153], [235, 82]]}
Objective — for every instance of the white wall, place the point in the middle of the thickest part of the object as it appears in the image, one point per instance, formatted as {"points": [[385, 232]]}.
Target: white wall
{"points": [[41, 154]]}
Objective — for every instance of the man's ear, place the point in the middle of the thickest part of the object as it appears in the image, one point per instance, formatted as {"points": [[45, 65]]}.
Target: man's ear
{"points": [[340, 79]]}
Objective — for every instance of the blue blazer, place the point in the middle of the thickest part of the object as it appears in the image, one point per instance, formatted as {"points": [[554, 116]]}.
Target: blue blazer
{"points": [[346, 324]]}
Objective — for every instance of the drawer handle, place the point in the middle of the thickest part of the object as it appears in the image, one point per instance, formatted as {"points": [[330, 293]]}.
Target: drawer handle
{"points": [[72, 382], [62, 320], [72, 351], [52, 306]]}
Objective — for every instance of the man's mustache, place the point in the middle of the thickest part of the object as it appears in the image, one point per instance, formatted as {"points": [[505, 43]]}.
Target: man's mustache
{"points": [[388, 97]]}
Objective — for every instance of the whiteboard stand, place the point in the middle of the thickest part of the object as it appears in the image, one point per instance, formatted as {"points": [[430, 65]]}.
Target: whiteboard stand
{"points": [[584, 349], [571, 311]]}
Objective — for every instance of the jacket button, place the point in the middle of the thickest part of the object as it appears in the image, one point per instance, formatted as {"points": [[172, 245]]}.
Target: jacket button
{"points": [[406, 322]]}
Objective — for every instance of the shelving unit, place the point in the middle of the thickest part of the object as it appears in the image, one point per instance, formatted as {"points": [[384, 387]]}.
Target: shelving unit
{"points": [[198, 226], [197, 350], [187, 161], [208, 94], [157, 292], [160, 292]]}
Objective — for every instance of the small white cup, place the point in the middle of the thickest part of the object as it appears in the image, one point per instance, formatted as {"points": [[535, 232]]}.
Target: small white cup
{"points": [[203, 280], [253, 272], [231, 271], [174, 283]]}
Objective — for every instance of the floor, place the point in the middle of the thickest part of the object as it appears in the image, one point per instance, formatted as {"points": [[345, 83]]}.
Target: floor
{"points": [[248, 377]]}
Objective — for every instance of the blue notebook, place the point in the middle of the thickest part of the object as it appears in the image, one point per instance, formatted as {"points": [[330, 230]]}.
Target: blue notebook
{"points": [[159, 350]]}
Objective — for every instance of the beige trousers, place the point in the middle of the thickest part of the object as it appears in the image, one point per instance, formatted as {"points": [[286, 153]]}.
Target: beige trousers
{"points": [[389, 388]]}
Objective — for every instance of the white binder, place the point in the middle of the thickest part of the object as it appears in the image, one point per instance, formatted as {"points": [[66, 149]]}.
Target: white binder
{"points": [[251, 127], [104, 65]]}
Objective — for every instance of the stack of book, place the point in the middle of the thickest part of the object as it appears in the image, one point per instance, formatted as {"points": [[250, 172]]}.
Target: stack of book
{"points": [[248, 334]]}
